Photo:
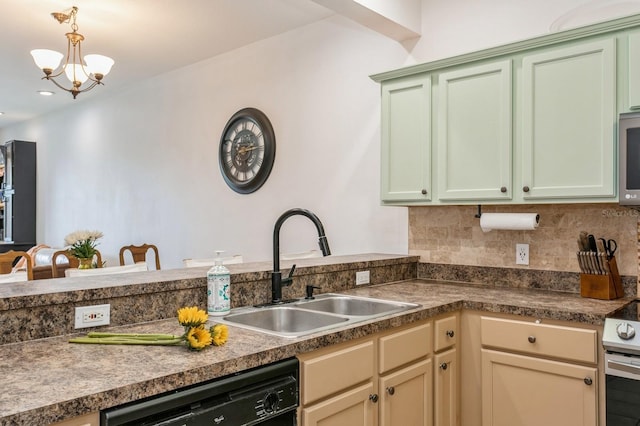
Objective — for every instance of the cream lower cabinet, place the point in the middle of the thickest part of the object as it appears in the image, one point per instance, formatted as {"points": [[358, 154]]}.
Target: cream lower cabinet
{"points": [[91, 419], [385, 380], [535, 373], [404, 396], [445, 375], [527, 391]]}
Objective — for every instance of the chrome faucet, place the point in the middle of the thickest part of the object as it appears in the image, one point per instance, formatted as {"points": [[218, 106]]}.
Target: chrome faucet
{"points": [[277, 282]]}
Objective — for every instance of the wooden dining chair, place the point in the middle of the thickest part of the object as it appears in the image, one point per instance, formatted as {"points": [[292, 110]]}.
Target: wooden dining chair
{"points": [[57, 270], [139, 253], [8, 259]]}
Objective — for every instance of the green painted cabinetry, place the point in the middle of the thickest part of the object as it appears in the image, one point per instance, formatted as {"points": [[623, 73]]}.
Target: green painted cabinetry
{"points": [[529, 122], [633, 71], [474, 133], [568, 117], [406, 139]]}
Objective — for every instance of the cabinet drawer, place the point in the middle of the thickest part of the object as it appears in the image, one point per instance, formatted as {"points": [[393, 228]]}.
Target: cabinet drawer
{"points": [[405, 346], [541, 339], [333, 371], [446, 333]]}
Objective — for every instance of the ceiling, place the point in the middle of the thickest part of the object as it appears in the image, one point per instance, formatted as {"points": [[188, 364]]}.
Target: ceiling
{"points": [[144, 37]]}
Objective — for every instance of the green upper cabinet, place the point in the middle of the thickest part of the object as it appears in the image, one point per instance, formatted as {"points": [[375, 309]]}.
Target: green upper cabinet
{"points": [[633, 71], [529, 122], [474, 133], [568, 116], [406, 139]]}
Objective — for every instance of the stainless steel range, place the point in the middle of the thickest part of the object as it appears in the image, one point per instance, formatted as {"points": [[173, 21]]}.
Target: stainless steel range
{"points": [[621, 341]]}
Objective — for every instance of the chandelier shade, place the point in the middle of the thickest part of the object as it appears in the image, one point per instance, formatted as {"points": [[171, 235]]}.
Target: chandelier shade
{"points": [[91, 70], [46, 59]]}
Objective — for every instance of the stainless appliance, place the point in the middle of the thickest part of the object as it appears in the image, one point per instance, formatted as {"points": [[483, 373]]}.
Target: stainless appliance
{"points": [[621, 341], [629, 158], [265, 396]]}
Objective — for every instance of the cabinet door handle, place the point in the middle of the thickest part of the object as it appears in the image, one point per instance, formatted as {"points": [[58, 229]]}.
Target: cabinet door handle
{"points": [[450, 333], [531, 339], [503, 189], [444, 366], [424, 192], [588, 381], [391, 390], [373, 397], [525, 188]]}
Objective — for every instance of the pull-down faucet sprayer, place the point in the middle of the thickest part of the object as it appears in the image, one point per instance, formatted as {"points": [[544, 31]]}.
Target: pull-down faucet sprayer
{"points": [[277, 282]]}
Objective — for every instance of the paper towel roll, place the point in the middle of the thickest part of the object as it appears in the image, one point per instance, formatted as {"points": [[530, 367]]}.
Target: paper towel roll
{"points": [[511, 221]]}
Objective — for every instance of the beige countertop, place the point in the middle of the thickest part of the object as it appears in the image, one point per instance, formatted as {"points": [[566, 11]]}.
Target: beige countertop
{"points": [[48, 380]]}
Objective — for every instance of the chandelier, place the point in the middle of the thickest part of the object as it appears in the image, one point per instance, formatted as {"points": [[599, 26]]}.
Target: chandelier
{"points": [[91, 71]]}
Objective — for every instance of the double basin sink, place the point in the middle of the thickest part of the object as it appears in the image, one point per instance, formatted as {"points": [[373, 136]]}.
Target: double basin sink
{"points": [[302, 317]]}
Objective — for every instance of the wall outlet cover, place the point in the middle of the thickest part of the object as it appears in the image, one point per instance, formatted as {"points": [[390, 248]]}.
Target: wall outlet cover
{"points": [[92, 316], [522, 254], [362, 277]]}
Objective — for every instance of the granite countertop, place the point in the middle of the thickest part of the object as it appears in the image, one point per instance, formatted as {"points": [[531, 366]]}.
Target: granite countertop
{"points": [[48, 380]]}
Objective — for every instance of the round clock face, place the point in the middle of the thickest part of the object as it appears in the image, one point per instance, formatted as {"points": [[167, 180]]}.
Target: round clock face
{"points": [[247, 150]]}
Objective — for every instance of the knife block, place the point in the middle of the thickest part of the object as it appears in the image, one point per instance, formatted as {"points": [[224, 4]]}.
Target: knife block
{"points": [[606, 287]]}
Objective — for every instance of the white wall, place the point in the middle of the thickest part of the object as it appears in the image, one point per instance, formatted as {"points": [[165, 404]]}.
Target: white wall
{"points": [[140, 164]]}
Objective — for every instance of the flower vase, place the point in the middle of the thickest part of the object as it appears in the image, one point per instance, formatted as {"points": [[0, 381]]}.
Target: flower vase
{"points": [[85, 263]]}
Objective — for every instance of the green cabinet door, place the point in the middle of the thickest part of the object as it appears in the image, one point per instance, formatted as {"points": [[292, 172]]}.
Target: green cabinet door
{"points": [[406, 139], [474, 135], [633, 75], [568, 117]]}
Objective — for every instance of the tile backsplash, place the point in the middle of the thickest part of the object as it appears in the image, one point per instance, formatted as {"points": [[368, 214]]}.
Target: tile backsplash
{"points": [[452, 235]]}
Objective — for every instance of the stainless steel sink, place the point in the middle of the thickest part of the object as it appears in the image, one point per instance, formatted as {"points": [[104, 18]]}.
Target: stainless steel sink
{"points": [[302, 317], [284, 321], [352, 305]]}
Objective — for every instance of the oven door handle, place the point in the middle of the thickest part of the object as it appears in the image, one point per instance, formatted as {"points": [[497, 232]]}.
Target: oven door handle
{"points": [[621, 366]]}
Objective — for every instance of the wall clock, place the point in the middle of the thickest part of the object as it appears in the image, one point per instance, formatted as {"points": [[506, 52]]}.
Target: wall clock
{"points": [[247, 150]]}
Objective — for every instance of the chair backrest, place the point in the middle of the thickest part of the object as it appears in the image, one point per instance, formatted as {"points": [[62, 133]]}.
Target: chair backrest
{"points": [[139, 253], [190, 263], [7, 260], [304, 255], [59, 266], [136, 267]]}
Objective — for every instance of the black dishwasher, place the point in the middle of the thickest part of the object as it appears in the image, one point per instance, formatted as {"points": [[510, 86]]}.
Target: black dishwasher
{"points": [[266, 395]]}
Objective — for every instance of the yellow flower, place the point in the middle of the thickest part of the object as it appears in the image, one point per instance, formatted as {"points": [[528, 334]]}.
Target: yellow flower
{"points": [[198, 338], [219, 334], [192, 316]]}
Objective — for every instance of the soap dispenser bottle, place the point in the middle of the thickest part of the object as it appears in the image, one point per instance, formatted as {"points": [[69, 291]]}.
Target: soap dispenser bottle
{"points": [[218, 288]]}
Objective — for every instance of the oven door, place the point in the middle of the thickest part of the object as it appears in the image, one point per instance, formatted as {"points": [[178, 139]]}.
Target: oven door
{"points": [[622, 389]]}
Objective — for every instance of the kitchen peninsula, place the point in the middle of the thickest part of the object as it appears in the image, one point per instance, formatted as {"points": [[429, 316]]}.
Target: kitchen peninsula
{"points": [[46, 379]]}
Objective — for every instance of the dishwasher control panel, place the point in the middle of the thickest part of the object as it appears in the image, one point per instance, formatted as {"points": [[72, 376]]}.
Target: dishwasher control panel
{"points": [[267, 395]]}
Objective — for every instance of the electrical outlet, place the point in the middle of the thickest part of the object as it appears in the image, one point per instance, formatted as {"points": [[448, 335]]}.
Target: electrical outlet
{"points": [[92, 316], [522, 254], [362, 277]]}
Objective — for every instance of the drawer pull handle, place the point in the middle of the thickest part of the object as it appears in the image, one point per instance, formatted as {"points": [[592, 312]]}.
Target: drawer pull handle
{"points": [[391, 390], [525, 188], [503, 189], [444, 366], [532, 339], [450, 333], [373, 397], [588, 381], [424, 192]]}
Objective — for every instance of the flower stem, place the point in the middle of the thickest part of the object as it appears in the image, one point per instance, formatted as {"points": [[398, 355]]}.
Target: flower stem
{"points": [[120, 340]]}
